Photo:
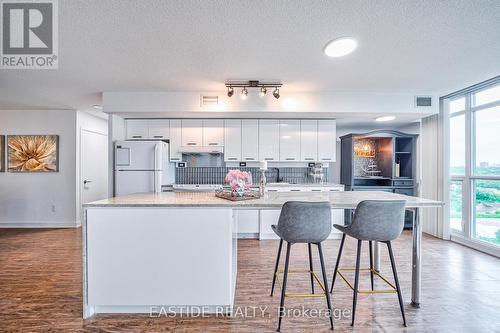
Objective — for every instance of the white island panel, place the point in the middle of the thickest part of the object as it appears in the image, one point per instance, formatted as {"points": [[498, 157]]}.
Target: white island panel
{"points": [[143, 257]]}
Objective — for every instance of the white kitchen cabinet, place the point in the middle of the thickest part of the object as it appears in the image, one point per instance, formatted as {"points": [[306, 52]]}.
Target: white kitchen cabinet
{"points": [[248, 223], [192, 132], [309, 140], [327, 140], [268, 218], [137, 129], [213, 132], [175, 140], [159, 129], [250, 140], [232, 140], [269, 138], [289, 142]]}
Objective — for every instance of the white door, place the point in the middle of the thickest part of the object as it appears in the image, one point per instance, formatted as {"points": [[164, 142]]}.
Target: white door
{"points": [[93, 166], [289, 140], [232, 140], [250, 140], [269, 140], [213, 132], [309, 140]]}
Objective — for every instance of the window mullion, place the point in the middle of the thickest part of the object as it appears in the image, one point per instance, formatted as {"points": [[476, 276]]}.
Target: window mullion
{"points": [[467, 185]]}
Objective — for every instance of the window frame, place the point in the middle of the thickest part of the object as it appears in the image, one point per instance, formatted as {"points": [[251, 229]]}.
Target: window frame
{"points": [[466, 236]]}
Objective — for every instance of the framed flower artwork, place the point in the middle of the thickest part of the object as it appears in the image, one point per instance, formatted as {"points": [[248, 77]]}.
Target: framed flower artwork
{"points": [[33, 153]]}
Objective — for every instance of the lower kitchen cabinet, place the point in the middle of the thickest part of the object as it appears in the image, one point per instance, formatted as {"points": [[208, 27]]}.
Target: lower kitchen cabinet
{"points": [[248, 223]]}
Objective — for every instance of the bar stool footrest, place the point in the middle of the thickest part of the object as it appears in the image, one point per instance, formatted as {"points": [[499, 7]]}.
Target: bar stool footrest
{"points": [[301, 295], [375, 272]]}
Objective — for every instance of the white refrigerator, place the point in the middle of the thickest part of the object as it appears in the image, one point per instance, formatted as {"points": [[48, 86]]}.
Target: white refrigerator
{"points": [[141, 166]]}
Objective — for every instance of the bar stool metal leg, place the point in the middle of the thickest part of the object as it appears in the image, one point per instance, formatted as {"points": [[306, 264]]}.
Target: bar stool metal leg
{"points": [[400, 297], [283, 288], [276, 267], [325, 283], [371, 263], [311, 267], [338, 262], [356, 282]]}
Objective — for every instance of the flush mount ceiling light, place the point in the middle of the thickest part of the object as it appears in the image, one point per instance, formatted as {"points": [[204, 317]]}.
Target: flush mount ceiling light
{"points": [[97, 106], [340, 47], [253, 84], [385, 118]]}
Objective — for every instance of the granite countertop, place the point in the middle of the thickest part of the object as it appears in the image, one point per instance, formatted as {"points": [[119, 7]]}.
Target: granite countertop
{"points": [[342, 200]]}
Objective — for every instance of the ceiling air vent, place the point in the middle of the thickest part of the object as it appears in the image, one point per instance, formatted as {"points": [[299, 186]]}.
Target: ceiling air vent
{"points": [[423, 101], [208, 100]]}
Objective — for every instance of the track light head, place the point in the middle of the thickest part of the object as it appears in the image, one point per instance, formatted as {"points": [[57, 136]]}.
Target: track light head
{"points": [[263, 91], [276, 93], [244, 93], [230, 91]]}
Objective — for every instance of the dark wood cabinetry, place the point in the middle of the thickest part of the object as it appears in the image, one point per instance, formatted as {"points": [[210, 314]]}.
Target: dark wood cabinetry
{"points": [[381, 160]]}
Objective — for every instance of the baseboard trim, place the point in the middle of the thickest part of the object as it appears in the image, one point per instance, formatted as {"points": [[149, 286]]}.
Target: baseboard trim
{"points": [[40, 224]]}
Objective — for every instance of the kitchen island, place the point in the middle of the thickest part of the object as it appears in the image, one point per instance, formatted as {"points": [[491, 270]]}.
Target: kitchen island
{"points": [[177, 252]]}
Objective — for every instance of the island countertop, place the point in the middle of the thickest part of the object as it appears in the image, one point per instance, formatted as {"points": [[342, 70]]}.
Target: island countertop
{"points": [[341, 200]]}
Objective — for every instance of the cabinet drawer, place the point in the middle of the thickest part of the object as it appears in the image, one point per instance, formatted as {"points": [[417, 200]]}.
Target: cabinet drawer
{"points": [[403, 182]]}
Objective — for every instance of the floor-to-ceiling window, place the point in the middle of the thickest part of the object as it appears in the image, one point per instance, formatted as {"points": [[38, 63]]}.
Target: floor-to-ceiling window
{"points": [[474, 164]]}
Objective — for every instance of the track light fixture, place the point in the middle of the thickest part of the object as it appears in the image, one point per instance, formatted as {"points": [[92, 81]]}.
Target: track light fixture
{"points": [[276, 93], [244, 93], [253, 84]]}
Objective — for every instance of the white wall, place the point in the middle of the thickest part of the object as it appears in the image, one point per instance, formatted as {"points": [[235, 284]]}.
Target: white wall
{"points": [[46, 199], [332, 105], [40, 199]]}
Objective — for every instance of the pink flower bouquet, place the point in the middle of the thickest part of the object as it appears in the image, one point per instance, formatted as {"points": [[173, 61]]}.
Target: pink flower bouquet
{"points": [[239, 181]]}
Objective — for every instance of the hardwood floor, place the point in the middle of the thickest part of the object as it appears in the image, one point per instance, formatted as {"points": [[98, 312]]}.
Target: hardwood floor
{"points": [[40, 290]]}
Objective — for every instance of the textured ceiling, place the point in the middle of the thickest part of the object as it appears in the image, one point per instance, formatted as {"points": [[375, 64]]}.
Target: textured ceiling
{"points": [[404, 46]]}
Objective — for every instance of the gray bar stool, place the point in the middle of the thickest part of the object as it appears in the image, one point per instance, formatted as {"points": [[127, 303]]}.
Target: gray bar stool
{"points": [[303, 222], [374, 220]]}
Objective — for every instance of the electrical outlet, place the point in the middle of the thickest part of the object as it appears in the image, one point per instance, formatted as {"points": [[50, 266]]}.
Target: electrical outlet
{"points": [[53, 208]]}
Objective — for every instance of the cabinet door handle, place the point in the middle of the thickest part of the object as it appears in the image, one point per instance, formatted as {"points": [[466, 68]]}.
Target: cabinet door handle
{"points": [[309, 159], [295, 190], [290, 159], [269, 158], [136, 136], [326, 159], [191, 143], [272, 190], [158, 136], [315, 190], [212, 143], [249, 158], [175, 159], [232, 158]]}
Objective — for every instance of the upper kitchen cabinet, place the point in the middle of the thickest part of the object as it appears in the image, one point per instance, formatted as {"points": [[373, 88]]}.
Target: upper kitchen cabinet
{"points": [[327, 140], [192, 132], [289, 141], [232, 140], [159, 129], [213, 132], [175, 139], [249, 140], [137, 129], [269, 138], [308, 140]]}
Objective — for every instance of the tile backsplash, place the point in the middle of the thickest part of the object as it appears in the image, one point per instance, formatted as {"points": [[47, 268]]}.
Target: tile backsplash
{"points": [[216, 175]]}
